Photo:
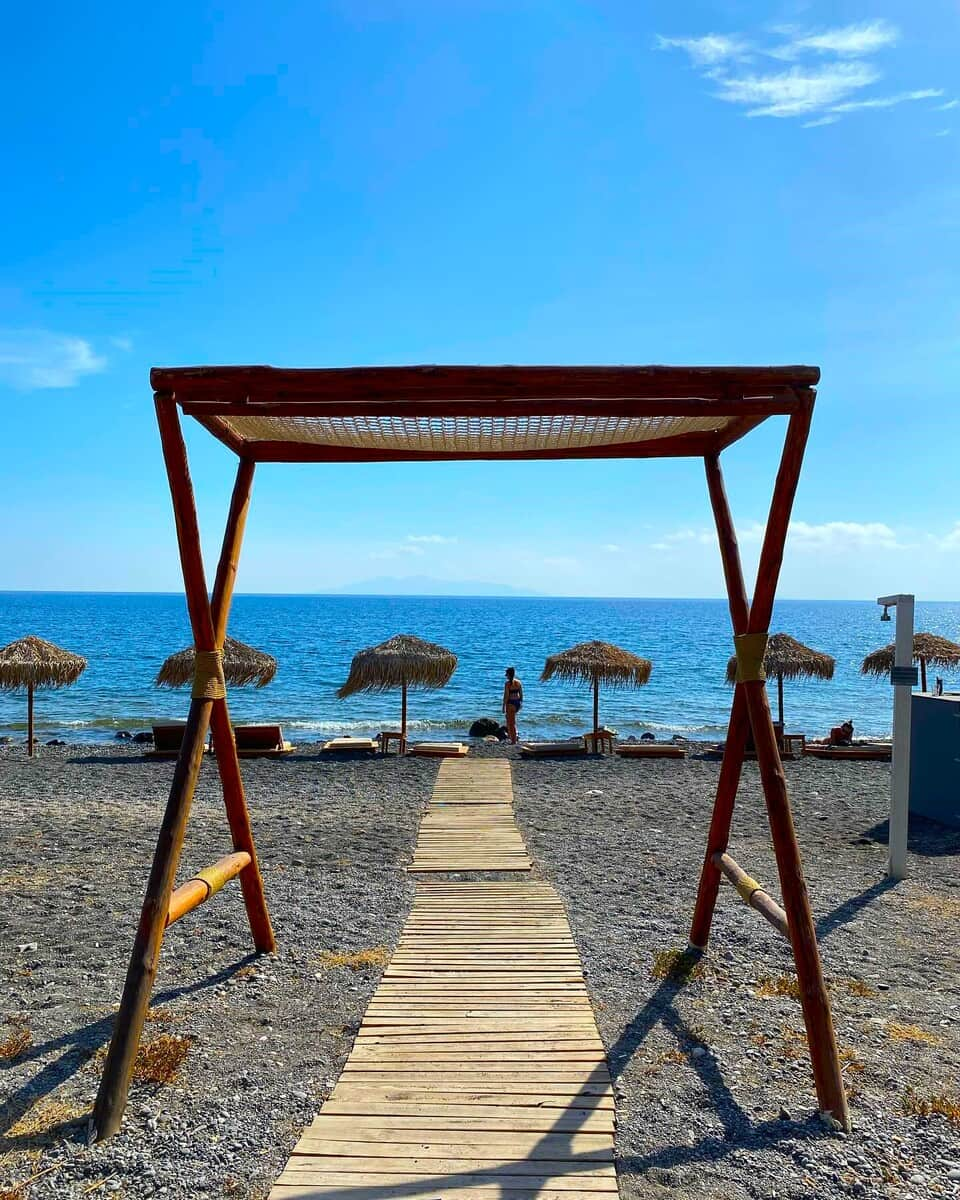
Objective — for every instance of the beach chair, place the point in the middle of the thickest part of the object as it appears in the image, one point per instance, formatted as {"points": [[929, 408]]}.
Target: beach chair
{"points": [[574, 748], [438, 750], [260, 741], [350, 745], [167, 740], [858, 752], [651, 750]]}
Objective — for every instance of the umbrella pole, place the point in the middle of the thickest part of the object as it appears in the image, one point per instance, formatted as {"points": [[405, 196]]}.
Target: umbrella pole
{"points": [[30, 719], [403, 717], [923, 674], [596, 707], [780, 700]]}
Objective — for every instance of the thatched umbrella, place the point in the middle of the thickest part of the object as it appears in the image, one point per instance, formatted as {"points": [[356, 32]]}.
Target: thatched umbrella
{"points": [[404, 661], [33, 663], [242, 664], [596, 663], [786, 658], [927, 648]]}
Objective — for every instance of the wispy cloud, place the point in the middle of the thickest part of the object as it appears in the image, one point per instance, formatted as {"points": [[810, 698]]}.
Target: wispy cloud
{"points": [[796, 92], [432, 539], [946, 107], [829, 69], [845, 41], [709, 50], [943, 133], [34, 359], [612, 548], [887, 101], [397, 551]]}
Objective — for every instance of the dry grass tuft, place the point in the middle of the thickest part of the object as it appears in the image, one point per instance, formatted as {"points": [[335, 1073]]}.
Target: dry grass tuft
{"points": [[160, 1060], [911, 1033], [769, 986], [356, 960], [16, 1044], [163, 1015], [856, 987], [44, 1124], [947, 907], [936, 1105], [679, 966], [850, 1062]]}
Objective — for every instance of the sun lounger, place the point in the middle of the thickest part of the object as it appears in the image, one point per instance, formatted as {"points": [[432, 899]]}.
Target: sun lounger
{"points": [[438, 750], [862, 752], [350, 745], [167, 740], [260, 741], [571, 749], [651, 750]]}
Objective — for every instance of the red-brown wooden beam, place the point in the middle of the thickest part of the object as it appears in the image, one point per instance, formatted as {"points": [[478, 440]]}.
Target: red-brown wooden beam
{"points": [[781, 401], [694, 445], [456, 382]]}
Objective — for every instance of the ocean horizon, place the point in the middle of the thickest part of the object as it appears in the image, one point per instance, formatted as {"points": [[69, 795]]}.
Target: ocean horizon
{"points": [[125, 636]]}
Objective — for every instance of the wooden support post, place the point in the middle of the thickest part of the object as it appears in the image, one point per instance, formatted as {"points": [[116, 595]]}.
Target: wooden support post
{"points": [[403, 717], [814, 998], [141, 973], [596, 710], [30, 719], [228, 763], [736, 743]]}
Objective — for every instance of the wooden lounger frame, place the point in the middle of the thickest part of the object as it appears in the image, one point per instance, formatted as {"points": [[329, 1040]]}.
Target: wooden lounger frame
{"points": [[396, 414]]}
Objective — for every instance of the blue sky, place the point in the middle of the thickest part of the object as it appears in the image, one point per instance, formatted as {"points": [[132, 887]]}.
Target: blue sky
{"points": [[343, 183]]}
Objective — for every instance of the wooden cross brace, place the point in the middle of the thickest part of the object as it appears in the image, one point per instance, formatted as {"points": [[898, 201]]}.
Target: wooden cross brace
{"points": [[208, 709]]}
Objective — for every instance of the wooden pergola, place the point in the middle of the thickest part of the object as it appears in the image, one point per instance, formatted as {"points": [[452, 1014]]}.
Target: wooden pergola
{"points": [[448, 413]]}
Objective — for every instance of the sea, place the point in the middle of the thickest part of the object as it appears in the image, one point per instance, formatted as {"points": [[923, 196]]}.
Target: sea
{"points": [[125, 638]]}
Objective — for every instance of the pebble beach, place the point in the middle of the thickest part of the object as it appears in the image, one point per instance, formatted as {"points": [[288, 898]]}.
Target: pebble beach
{"points": [[713, 1086]]}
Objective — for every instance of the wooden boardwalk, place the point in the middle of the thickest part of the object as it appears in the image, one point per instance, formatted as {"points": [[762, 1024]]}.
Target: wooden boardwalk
{"points": [[469, 825], [478, 1072]]}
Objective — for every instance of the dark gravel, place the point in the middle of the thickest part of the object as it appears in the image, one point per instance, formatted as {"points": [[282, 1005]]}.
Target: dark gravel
{"points": [[714, 1091]]}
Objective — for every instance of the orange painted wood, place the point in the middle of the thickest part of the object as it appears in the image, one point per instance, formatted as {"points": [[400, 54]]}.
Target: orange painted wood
{"points": [[198, 890]]}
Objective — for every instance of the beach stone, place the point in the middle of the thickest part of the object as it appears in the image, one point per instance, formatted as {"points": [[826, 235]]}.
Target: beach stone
{"points": [[122, 735], [143, 736], [487, 726]]}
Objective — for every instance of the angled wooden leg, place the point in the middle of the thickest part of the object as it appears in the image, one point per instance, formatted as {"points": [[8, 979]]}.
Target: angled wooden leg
{"points": [[736, 743], [228, 764], [141, 973]]}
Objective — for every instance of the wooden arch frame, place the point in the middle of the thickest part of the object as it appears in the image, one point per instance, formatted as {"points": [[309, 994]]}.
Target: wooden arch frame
{"points": [[668, 411]]}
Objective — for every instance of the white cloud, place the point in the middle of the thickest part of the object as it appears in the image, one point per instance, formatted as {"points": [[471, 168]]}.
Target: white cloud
{"points": [[841, 535], [433, 539], [32, 359], [887, 101], [943, 133], [796, 92], [830, 67], [946, 107], [709, 50], [612, 548], [122, 343], [846, 41]]}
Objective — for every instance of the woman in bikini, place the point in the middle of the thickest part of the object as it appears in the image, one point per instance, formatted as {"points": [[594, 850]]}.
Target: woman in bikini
{"points": [[512, 702]]}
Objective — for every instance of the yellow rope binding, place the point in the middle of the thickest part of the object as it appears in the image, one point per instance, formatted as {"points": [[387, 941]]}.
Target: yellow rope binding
{"points": [[750, 648], [208, 682], [746, 887]]}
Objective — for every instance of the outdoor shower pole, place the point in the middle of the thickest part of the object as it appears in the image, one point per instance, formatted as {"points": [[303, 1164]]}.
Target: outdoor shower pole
{"points": [[903, 677]]}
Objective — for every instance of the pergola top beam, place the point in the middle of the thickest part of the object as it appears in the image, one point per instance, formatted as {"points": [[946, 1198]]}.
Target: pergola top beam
{"points": [[444, 413]]}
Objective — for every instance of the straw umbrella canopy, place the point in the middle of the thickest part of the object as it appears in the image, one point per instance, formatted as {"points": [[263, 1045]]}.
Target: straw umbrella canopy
{"points": [[927, 648], [596, 663], [786, 658], [33, 663], [242, 664], [403, 662]]}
